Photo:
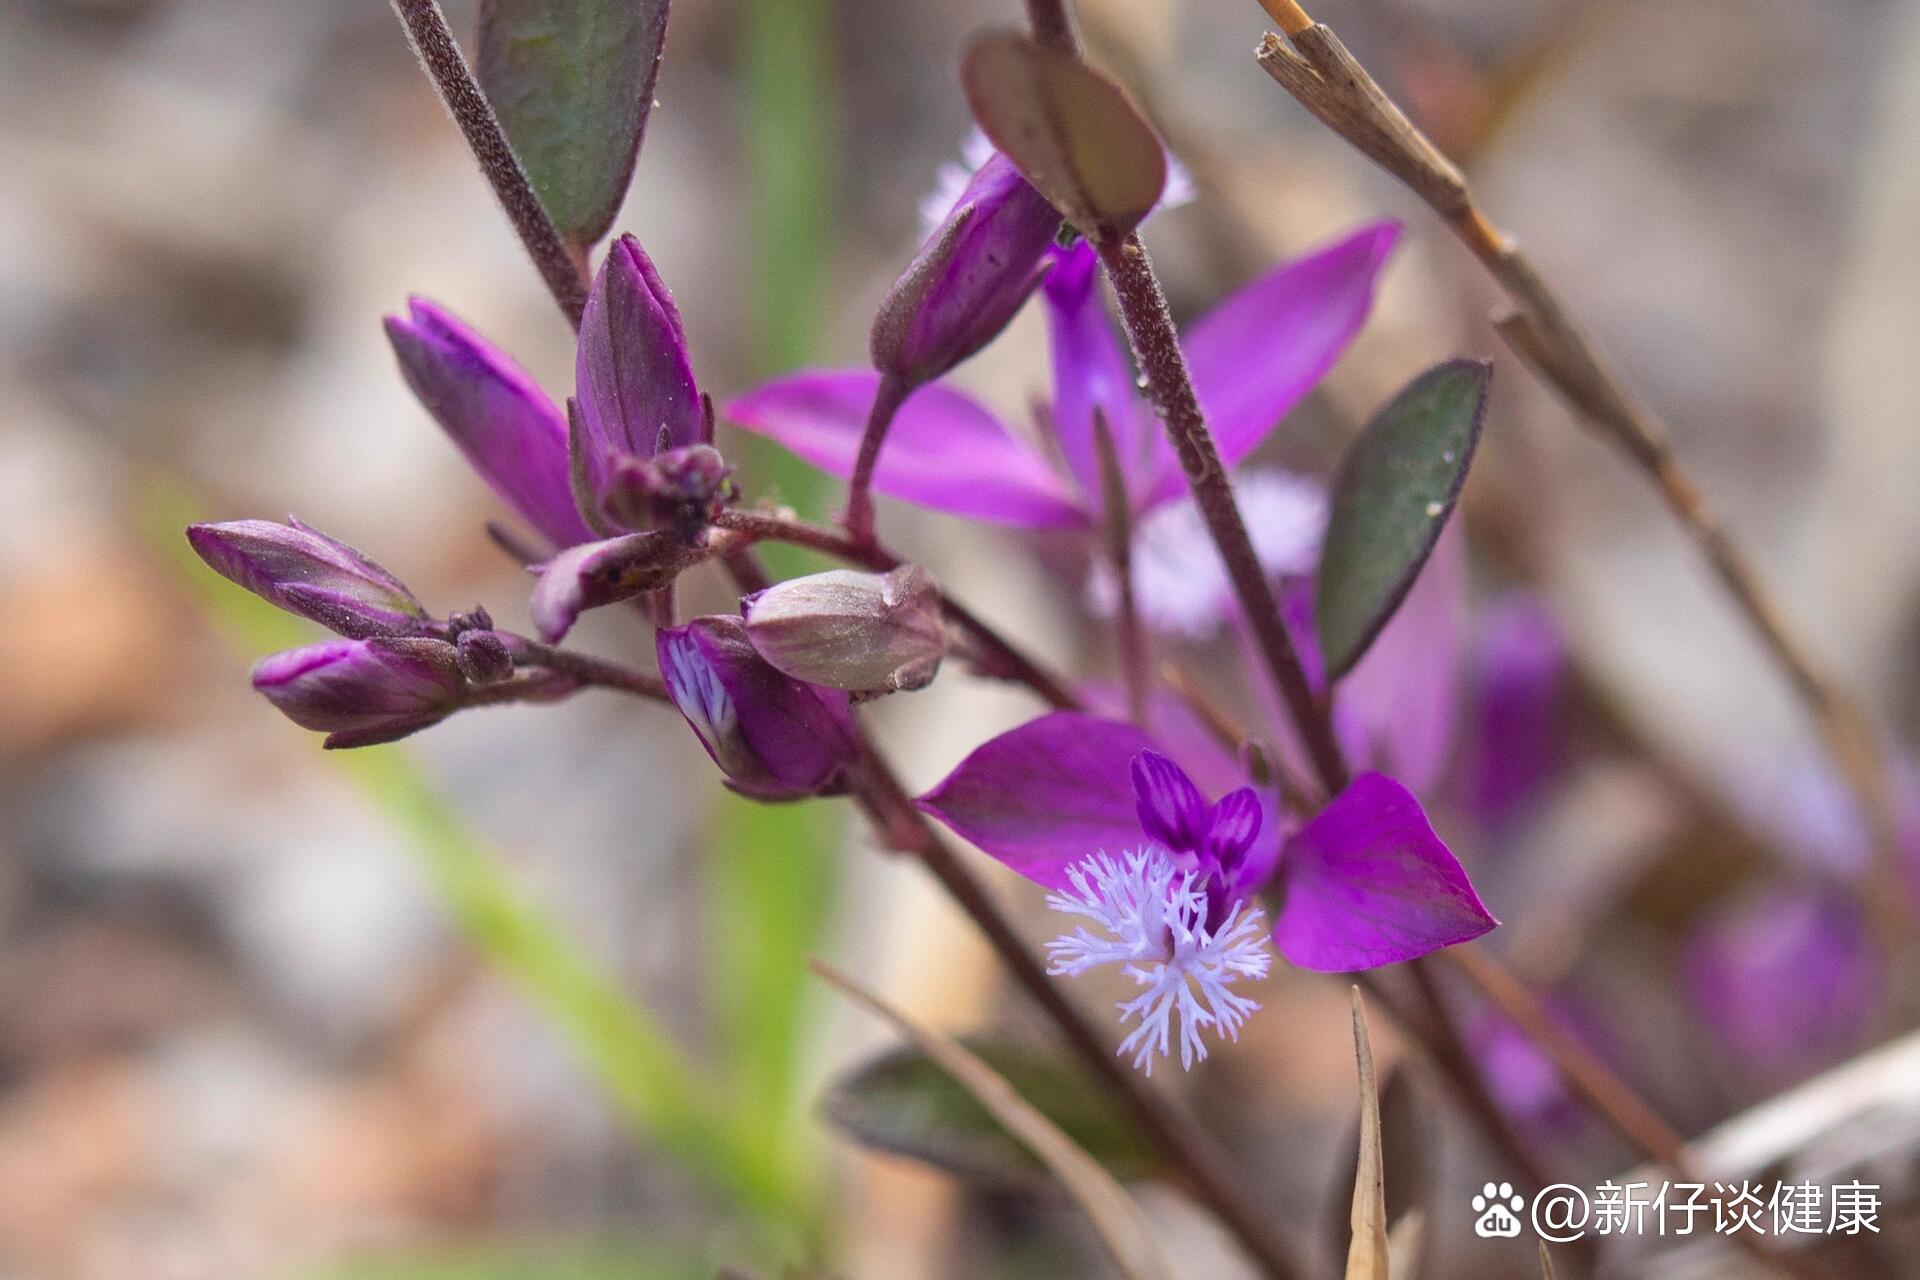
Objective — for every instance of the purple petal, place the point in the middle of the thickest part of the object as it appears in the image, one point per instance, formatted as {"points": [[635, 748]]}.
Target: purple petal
{"points": [[1233, 826], [944, 451], [1258, 354], [1172, 810], [631, 372], [1401, 705], [507, 428], [1090, 372], [1042, 797], [1368, 883]]}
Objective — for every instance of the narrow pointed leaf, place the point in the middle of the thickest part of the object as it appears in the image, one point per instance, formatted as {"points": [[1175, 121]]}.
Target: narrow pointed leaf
{"points": [[903, 1103], [1367, 1253], [1072, 133], [1546, 1262], [1122, 1227], [1396, 488], [572, 82]]}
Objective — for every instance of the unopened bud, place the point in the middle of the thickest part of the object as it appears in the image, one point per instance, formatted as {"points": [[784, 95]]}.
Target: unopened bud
{"points": [[776, 738], [602, 573], [863, 632], [968, 279], [361, 692], [306, 572]]}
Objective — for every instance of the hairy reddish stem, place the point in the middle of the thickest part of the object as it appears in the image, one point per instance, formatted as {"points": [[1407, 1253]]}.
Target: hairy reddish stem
{"points": [[1156, 345], [433, 42]]}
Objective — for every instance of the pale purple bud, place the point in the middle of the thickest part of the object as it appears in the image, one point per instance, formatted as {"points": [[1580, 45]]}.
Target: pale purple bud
{"points": [[633, 381], [776, 738], [863, 632], [306, 572], [968, 279], [602, 573], [677, 490], [362, 692]]}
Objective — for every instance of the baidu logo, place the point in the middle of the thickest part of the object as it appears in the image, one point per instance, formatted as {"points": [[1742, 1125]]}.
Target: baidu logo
{"points": [[1499, 1212]]}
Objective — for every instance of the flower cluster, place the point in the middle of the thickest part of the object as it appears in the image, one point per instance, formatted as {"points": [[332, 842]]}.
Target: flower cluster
{"points": [[622, 490]]}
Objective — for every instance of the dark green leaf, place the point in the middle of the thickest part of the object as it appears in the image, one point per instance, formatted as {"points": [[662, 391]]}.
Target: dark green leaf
{"points": [[901, 1102], [1072, 133], [1394, 493], [572, 82]]}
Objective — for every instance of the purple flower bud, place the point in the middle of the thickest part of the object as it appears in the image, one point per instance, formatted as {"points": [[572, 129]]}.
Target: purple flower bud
{"points": [[863, 632], [677, 490], [602, 573], [776, 738], [361, 692], [510, 431], [308, 573], [634, 383], [968, 279]]}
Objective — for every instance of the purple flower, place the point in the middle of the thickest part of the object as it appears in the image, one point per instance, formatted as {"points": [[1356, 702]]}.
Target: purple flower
{"points": [[1364, 883], [776, 738], [362, 692], [509, 430], [1253, 359], [1788, 980], [305, 572], [969, 278]]}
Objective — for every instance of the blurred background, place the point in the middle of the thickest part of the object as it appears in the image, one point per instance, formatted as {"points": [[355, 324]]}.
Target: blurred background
{"points": [[431, 1011]]}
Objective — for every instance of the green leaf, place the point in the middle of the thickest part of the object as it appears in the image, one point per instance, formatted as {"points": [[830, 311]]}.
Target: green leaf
{"points": [[572, 82], [1114, 1215], [1395, 490], [1072, 133], [903, 1103]]}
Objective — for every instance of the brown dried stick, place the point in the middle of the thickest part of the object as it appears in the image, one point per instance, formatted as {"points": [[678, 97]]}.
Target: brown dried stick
{"points": [[1324, 77]]}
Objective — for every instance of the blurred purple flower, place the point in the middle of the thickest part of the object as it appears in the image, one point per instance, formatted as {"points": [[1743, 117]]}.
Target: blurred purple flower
{"points": [[1366, 882], [775, 738], [1789, 981], [1253, 359], [362, 692], [304, 571], [1520, 682]]}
